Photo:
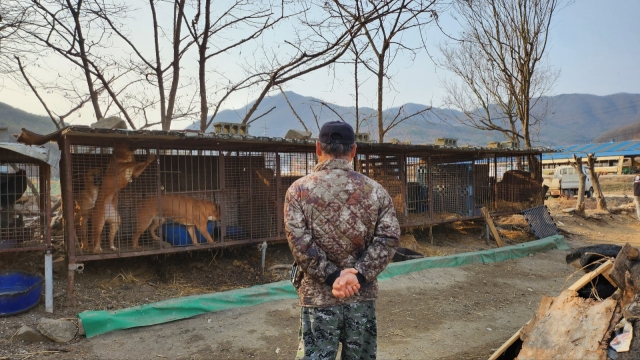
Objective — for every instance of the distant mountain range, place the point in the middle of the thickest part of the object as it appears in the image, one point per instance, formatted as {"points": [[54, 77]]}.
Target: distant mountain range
{"points": [[571, 119], [14, 120]]}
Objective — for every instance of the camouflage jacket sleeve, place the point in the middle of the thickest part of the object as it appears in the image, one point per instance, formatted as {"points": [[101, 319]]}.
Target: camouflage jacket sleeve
{"points": [[311, 259], [385, 239]]}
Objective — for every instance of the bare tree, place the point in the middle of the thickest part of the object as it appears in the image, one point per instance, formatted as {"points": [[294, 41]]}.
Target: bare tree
{"points": [[500, 61], [13, 17], [326, 44], [384, 37], [295, 113], [60, 122], [62, 27], [157, 74], [595, 180], [212, 34], [577, 164]]}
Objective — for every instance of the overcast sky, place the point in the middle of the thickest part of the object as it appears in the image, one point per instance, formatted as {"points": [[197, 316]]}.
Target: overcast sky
{"points": [[595, 44]]}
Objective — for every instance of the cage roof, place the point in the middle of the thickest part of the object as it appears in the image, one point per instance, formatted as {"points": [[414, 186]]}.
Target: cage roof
{"points": [[15, 152], [186, 139]]}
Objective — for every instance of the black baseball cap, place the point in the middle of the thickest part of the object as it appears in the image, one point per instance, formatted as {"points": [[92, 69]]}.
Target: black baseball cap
{"points": [[337, 132]]}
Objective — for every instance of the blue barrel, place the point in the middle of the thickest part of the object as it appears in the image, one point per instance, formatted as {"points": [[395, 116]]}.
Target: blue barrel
{"points": [[177, 235]]}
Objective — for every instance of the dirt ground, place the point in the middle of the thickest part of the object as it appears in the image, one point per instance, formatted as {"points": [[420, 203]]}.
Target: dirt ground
{"points": [[457, 313]]}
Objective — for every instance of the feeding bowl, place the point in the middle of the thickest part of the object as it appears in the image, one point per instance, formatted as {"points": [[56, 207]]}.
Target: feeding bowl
{"points": [[177, 234], [19, 291]]}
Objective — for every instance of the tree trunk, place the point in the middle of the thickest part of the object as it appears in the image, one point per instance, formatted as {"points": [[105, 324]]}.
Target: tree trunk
{"points": [[581, 175], [83, 56], [202, 62], [597, 190], [178, 18], [380, 83], [355, 72], [158, 68]]}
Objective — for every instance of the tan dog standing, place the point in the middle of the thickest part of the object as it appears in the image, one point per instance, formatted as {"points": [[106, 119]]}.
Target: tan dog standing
{"points": [[122, 169], [86, 201], [193, 213]]}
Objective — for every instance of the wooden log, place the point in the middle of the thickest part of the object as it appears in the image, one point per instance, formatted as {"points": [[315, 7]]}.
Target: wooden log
{"points": [[492, 227], [620, 266]]}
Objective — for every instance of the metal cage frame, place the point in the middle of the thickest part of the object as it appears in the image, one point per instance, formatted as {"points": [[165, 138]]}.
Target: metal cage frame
{"points": [[10, 156], [248, 176], [28, 164]]}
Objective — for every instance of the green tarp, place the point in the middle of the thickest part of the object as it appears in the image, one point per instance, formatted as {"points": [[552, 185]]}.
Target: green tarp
{"points": [[100, 322]]}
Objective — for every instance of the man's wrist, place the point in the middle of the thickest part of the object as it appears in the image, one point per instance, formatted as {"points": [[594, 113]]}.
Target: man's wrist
{"points": [[332, 278], [361, 278]]}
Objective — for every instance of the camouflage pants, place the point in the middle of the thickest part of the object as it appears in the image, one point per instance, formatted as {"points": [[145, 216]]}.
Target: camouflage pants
{"points": [[323, 329]]}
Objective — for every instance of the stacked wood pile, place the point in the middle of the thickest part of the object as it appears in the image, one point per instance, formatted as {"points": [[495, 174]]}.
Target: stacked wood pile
{"points": [[592, 318]]}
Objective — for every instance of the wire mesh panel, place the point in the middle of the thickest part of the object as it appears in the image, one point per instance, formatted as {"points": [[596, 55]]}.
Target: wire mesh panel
{"points": [[110, 186], [451, 182], [22, 212], [249, 196], [540, 221], [417, 199], [483, 183], [388, 171]]}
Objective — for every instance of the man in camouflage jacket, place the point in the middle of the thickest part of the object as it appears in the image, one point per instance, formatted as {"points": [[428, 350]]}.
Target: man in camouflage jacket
{"points": [[342, 230]]}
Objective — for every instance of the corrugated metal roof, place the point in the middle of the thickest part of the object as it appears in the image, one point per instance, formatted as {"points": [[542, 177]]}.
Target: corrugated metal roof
{"points": [[620, 148], [49, 156]]}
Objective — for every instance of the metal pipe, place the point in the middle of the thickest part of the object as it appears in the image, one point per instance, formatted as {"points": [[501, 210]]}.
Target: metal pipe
{"points": [[263, 247], [66, 178], [48, 282]]}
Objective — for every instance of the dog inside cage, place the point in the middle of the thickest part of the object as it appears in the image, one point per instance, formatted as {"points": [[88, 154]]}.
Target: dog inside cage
{"points": [[21, 213], [149, 199]]}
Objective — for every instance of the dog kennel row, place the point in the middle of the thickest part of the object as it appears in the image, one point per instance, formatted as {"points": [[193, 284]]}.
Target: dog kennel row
{"points": [[247, 181], [247, 190]]}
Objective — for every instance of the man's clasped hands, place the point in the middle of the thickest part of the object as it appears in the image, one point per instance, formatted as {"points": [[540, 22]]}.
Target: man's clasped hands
{"points": [[346, 284]]}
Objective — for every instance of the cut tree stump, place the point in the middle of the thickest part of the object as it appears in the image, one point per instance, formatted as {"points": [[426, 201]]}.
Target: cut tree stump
{"points": [[492, 227]]}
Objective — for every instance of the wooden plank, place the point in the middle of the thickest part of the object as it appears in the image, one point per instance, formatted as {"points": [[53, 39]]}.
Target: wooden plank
{"points": [[496, 354], [586, 278], [492, 227]]}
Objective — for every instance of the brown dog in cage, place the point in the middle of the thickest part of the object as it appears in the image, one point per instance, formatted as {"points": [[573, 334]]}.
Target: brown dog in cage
{"points": [[86, 202], [121, 170], [185, 210]]}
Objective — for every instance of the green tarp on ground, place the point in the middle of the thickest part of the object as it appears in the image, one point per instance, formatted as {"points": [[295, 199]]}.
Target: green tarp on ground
{"points": [[100, 322]]}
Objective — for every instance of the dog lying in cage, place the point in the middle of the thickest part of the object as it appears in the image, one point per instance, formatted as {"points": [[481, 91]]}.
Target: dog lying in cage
{"points": [[86, 202], [121, 170], [185, 210]]}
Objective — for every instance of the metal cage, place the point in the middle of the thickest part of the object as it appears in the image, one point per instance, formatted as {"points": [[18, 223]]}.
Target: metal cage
{"points": [[25, 205], [169, 175]]}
